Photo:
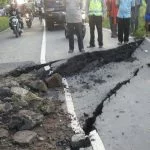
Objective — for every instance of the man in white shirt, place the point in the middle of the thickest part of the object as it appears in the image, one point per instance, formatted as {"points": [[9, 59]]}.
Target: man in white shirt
{"points": [[74, 23]]}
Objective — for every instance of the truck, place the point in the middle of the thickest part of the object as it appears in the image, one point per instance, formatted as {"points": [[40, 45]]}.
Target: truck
{"points": [[54, 13]]}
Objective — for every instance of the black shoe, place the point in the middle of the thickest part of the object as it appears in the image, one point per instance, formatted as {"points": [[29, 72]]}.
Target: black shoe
{"points": [[70, 51], [100, 46], [90, 46], [119, 43], [126, 42], [82, 50]]}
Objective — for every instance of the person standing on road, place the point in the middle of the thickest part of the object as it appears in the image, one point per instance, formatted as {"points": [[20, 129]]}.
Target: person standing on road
{"points": [[135, 16], [74, 23], [95, 10], [124, 15], [147, 17], [112, 11]]}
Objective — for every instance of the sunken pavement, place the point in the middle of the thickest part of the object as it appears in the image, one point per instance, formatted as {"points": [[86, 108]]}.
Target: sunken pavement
{"points": [[32, 103]]}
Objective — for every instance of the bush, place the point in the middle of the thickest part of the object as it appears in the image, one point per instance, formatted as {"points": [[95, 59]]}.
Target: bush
{"points": [[3, 23], [141, 29]]}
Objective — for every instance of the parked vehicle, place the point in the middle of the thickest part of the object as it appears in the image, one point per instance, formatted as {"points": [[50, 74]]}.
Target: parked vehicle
{"points": [[83, 27], [15, 26], [54, 13], [2, 11]]}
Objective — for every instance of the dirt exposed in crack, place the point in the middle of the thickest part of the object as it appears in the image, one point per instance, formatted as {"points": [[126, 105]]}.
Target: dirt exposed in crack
{"points": [[28, 68], [98, 58]]}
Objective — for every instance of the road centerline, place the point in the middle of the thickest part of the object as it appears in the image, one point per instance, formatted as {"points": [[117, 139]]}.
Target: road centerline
{"points": [[43, 47]]}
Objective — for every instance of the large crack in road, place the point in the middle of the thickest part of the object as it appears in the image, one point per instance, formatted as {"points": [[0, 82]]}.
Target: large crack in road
{"points": [[76, 64], [85, 63], [28, 68], [89, 123], [89, 61]]}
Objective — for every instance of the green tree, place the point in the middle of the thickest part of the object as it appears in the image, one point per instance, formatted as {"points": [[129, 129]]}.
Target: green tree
{"points": [[2, 2]]}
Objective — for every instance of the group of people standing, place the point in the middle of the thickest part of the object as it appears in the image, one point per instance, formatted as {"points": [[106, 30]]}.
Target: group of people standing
{"points": [[94, 11], [123, 18]]}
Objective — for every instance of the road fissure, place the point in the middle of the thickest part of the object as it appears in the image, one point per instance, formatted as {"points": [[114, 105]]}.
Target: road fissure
{"points": [[89, 123]]}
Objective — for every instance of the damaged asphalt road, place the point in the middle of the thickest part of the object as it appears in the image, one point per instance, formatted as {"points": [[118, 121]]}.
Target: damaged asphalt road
{"points": [[111, 94], [110, 91]]}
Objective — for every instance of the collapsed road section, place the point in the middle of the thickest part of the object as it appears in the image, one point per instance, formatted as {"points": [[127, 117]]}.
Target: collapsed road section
{"points": [[97, 84], [93, 79], [88, 61], [84, 68]]}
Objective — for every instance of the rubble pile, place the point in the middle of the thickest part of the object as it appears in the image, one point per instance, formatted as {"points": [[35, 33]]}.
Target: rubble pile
{"points": [[90, 61], [29, 118]]}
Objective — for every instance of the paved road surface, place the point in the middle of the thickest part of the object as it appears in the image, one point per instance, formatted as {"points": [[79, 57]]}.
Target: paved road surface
{"points": [[27, 48], [125, 122]]}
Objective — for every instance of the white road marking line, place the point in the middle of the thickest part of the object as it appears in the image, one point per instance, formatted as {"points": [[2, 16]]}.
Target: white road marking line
{"points": [[74, 123], [70, 107], [94, 137], [43, 48], [96, 141]]}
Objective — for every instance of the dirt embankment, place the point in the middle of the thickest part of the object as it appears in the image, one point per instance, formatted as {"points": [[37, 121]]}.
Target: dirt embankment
{"points": [[31, 113]]}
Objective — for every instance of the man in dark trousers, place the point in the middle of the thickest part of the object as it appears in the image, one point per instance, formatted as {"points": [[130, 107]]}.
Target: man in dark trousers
{"points": [[95, 11], [74, 23], [124, 16], [135, 16]]}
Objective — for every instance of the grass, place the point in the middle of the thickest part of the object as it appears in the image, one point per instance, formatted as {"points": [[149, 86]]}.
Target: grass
{"points": [[106, 22], [3, 23], [141, 29]]}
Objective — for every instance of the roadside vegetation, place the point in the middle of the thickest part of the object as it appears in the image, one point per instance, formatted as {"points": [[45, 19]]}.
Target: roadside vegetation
{"points": [[141, 30], [3, 19], [3, 23]]}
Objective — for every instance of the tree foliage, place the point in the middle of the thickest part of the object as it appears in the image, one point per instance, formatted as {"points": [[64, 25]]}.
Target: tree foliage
{"points": [[3, 2]]}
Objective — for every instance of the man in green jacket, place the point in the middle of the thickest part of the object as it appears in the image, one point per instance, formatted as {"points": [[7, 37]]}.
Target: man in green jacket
{"points": [[95, 11]]}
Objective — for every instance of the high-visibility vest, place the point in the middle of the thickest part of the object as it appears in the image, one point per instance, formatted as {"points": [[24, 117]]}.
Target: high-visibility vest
{"points": [[95, 8]]}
